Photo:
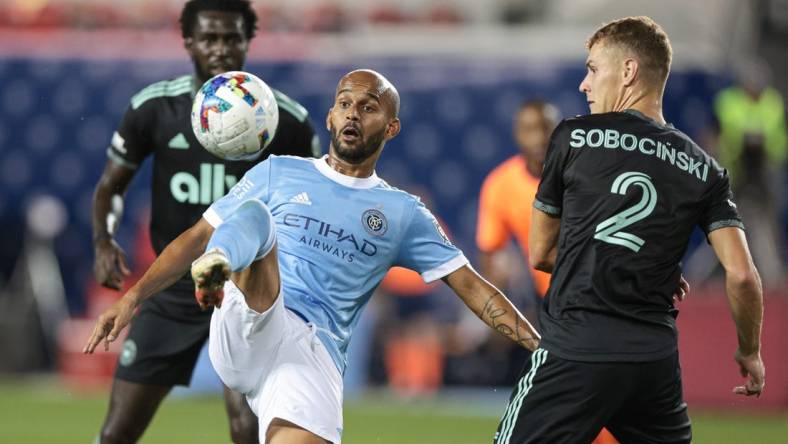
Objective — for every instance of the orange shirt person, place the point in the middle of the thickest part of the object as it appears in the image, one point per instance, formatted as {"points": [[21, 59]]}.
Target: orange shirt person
{"points": [[508, 192]]}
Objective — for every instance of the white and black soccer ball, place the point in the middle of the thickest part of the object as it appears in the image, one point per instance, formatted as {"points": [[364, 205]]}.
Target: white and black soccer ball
{"points": [[234, 115]]}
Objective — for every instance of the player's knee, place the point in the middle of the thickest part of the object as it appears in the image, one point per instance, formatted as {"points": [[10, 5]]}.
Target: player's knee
{"points": [[113, 434], [122, 428], [243, 429]]}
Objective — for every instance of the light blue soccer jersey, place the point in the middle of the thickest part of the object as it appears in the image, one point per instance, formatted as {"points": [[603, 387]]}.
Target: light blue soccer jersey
{"points": [[337, 236]]}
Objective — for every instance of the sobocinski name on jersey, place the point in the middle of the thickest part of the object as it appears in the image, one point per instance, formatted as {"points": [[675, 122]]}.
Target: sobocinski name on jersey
{"points": [[212, 185], [612, 139], [319, 229]]}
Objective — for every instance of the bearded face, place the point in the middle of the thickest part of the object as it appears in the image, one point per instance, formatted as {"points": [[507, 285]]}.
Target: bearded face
{"points": [[352, 144]]}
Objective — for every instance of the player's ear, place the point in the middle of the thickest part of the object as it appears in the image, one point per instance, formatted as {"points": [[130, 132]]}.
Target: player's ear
{"points": [[393, 128], [630, 72], [328, 118]]}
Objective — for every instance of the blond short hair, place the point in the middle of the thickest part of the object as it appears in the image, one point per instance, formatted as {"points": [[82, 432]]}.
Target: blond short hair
{"points": [[644, 39]]}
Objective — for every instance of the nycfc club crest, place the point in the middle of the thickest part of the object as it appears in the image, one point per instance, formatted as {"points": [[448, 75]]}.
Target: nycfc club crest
{"points": [[374, 222]]}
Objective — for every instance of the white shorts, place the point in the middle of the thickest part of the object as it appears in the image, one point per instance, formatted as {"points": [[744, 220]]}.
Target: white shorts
{"points": [[275, 359]]}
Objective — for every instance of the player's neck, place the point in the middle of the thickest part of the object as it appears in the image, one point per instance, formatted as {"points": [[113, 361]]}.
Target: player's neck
{"points": [[653, 113], [648, 104], [360, 170]]}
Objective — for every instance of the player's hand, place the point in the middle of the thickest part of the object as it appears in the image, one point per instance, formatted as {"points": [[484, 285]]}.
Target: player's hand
{"points": [[110, 323], [683, 290], [750, 366], [110, 265]]}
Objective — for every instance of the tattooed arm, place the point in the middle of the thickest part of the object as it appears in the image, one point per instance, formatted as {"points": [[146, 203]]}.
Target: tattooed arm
{"points": [[492, 307]]}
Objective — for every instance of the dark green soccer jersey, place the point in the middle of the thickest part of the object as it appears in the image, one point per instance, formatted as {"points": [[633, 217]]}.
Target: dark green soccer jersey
{"points": [[629, 193], [186, 177]]}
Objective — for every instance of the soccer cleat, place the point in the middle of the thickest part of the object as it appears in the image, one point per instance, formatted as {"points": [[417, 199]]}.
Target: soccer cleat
{"points": [[210, 271]]}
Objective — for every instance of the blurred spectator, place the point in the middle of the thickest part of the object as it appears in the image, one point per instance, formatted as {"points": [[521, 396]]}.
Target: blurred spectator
{"points": [[508, 194], [752, 146]]}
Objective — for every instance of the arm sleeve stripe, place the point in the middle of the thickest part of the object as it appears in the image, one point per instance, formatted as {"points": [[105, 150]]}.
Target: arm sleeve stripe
{"points": [[549, 209], [119, 160], [724, 224]]}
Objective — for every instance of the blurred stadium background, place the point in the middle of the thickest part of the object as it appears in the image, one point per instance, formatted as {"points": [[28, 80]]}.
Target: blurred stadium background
{"points": [[69, 67]]}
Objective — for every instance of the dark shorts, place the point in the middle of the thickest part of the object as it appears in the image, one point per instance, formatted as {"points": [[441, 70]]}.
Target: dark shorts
{"points": [[558, 400], [164, 341]]}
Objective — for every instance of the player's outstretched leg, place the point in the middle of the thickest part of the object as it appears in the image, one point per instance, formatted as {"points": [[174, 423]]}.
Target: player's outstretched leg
{"points": [[245, 237]]}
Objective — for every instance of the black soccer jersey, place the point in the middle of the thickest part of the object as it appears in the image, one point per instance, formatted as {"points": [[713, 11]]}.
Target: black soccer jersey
{"points": [[186, 177], [629, 193]]}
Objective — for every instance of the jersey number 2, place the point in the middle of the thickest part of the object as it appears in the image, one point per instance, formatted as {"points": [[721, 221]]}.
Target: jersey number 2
{"points": [[611, 229]]}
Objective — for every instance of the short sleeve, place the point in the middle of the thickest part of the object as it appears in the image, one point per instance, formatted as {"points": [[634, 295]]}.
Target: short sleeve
{"points": [[252, 186], [132, 142], [491, 230], [720, 210], [426, 249], [550, 195]]}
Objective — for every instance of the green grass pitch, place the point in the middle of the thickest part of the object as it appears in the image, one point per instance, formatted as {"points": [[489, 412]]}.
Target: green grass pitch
{"points": [[43, 413]]}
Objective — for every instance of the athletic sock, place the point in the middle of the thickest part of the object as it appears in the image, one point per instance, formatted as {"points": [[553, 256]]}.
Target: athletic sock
{"points": [[247, 235]]}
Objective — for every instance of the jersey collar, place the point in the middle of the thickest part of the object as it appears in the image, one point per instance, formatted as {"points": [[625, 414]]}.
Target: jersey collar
{"points": [[638, 114], [353, 182]]}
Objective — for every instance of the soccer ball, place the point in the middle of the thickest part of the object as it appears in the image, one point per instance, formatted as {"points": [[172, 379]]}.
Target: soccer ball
{"points": [[234, 116]]}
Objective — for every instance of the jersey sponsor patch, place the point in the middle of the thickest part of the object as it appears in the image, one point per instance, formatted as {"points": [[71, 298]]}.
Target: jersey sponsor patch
{"points": [[328, 238], [212, 184]]}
